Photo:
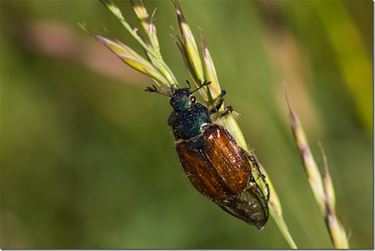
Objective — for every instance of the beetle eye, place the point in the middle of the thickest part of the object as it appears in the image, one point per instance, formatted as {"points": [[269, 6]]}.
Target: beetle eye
{"points": [[192, 98]]}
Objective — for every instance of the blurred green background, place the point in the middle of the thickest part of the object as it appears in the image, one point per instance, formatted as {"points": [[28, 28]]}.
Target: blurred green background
{"points": [[87, 158]]}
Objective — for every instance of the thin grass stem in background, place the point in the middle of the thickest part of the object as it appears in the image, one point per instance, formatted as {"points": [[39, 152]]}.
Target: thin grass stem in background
{"points": [[321, 186]]}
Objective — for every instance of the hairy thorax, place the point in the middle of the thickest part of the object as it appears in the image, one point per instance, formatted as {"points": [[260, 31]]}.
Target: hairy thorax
{"points": [[189, 124]]}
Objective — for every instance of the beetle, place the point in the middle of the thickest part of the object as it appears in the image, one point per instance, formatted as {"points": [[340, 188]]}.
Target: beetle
{"points": [[212, 160]]}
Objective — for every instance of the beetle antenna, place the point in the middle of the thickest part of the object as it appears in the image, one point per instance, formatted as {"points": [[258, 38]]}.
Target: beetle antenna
{"points": [[205, 83], [189, 85]]}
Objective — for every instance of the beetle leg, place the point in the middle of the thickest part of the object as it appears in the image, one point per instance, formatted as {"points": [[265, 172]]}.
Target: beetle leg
{"points": [[172, 119], [254, 161], [216, 116], [228, 110], [218, 102]]}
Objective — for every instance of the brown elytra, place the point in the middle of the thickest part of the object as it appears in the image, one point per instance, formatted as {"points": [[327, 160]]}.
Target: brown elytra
{"points": [[214, 163]]}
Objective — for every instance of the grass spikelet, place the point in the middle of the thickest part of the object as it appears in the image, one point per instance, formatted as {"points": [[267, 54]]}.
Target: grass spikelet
{"points": [[337, 232], [321, 185], [151, 46], [189, 45], [209, 69], [153, 51], [133, 59]]}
